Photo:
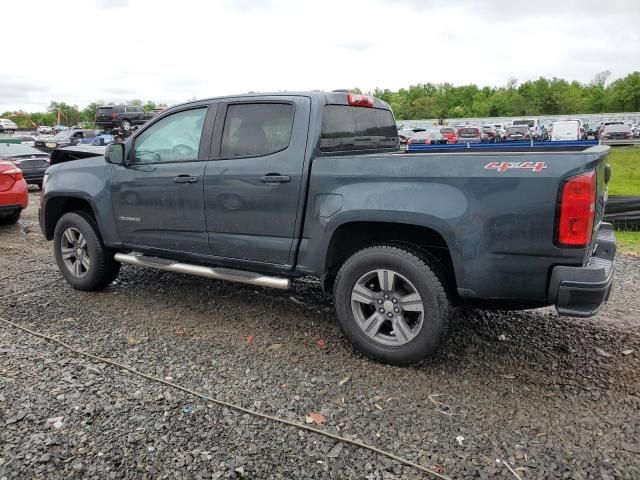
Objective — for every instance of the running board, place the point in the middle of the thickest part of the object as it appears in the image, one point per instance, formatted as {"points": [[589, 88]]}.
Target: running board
{"points": [[219, 273]]}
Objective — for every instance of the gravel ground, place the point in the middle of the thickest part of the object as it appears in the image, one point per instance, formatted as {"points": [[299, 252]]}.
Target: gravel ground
{"points": [[553, 397]]}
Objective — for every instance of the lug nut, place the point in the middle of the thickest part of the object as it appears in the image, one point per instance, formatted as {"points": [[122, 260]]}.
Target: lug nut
{"points": [[389, 314], [395, 300], [397, 310], [386, 296], [381, 310], [380, 302]]}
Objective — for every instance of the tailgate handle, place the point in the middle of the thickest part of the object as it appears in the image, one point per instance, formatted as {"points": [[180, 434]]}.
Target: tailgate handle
{"points": [[275, 178], [185, 179]]}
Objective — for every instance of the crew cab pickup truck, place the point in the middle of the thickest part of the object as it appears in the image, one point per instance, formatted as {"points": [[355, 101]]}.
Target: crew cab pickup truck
{"points": [[264, 188]]}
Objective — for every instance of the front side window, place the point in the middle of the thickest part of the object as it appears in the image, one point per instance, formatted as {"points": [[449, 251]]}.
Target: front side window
{"points": [[172, 139], [256, 129]]}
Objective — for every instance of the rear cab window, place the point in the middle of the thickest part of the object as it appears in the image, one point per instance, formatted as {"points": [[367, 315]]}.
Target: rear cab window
{"points": [[349, 128], [257, 129]]}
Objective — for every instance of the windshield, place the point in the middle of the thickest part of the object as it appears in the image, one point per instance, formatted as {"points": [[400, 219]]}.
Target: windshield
{"points": [[468, 132]]}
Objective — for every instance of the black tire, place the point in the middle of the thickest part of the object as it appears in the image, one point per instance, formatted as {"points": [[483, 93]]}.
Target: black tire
{"points": [[103, 268], [125, 125], [418, 269], [10, 219]]}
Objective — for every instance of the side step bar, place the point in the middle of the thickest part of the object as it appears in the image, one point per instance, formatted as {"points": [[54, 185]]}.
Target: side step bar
{"points": [[219, 273]]}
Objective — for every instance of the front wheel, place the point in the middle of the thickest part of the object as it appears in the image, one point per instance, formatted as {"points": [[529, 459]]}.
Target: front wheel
{"points": [[391, 304], [126, 125], [82, 258]]}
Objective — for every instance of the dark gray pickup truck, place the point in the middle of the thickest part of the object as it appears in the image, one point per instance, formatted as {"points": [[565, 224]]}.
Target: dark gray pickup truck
{"points": [[262, 189]]}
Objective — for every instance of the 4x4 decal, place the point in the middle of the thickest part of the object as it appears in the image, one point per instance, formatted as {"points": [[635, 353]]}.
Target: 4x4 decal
{"points": [[504, 166]]}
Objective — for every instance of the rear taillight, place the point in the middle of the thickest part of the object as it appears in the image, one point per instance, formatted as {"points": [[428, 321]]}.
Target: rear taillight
{"points": [[113, 116], [356, 100], [9, 177], [577, 210]]}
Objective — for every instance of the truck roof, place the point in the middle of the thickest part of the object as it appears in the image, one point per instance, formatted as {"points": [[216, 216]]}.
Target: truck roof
{"points": [[337, 98]]}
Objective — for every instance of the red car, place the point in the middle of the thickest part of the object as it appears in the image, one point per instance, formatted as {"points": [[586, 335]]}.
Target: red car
{"points": [[450, 134], [14, 193]]}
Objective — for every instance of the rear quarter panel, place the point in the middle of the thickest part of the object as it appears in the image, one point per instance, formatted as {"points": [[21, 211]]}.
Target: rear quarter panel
{"points": [[499, 225]]}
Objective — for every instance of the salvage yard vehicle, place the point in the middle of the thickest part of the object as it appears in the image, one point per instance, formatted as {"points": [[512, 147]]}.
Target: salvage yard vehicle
{"points": [[62, 139], [263, 188], [616, 131], [121, 116], [7, 126], [32, 162], [428, 137], [566, 130], [469, 135], [517, 133], [14, 193]]}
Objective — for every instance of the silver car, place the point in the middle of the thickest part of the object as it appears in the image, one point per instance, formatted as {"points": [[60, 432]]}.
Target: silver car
{"points": [[7, 126]]}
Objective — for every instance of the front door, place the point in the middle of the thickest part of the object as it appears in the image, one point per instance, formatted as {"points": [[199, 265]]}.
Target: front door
{"points": [[252, 187], [158, 195]]}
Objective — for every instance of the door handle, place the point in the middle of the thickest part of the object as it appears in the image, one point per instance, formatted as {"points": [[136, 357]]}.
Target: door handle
{"points": [[275, 178], [185, 179]]}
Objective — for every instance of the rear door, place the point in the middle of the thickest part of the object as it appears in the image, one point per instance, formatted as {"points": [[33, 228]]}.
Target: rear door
{"points": [[252, 188], [158, 195]]}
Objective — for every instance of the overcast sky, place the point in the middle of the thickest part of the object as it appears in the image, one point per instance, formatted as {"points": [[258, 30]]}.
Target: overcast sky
{"points": [[79, 51]]}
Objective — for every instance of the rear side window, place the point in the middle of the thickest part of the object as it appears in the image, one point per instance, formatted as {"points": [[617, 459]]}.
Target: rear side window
{"points": [[346, 128], [256, 129]]}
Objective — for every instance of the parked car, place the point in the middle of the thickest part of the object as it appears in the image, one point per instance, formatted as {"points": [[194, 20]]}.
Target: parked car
{"points": [[427, 137], [7, 126], [404, 135], [532, 123], [501, 130], [121, 116], [64, 138], [566, 130], [593, 131], [450, 133], [616, 131], [59, 128], [14, 193], [517, 133], [99, 139], [28, 140], [469, 135], [31, 161], [272, 187], [44, 130], [489, 134]]}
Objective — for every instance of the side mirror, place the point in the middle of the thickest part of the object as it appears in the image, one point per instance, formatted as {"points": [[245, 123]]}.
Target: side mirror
{"points": [[114, 153]]}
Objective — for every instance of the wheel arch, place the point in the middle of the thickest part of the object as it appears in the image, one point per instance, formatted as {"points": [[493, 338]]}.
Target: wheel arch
{"points": [[56, 206], [350, 237]]}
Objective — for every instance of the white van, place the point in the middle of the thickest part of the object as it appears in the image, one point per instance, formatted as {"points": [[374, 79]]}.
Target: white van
{"points": [[566, 130]]}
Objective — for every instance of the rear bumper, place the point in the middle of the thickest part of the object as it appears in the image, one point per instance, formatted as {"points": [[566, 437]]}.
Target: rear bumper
{"points": [[582, 291], [9, 209], [33, 176]]}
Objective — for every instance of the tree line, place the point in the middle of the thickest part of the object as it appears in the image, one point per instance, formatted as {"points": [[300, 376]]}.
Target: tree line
{"points": [[543, 96]]}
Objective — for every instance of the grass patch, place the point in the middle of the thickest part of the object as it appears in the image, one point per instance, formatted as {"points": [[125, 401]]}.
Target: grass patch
{"points": [[625, 171], [628, 242]]}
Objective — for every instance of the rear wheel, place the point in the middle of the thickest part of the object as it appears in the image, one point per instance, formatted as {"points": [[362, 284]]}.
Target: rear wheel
{"points": [[391, 304], [126, 125], [83, 260]]}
